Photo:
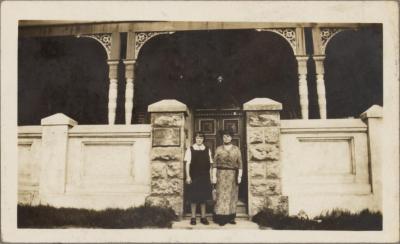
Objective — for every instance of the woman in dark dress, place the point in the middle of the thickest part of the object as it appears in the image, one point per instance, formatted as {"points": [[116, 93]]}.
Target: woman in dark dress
{"points": [[198, 160]]}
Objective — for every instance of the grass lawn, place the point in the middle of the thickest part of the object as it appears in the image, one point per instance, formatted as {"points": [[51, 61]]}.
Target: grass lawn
{"points": [[336, 219], [51, 217]]}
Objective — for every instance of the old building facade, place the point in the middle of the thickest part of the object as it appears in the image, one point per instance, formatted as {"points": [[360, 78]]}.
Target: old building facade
{"points": [[276, 86]]}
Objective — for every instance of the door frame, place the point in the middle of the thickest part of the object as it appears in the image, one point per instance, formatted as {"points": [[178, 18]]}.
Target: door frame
{"points": [[220, 113]]}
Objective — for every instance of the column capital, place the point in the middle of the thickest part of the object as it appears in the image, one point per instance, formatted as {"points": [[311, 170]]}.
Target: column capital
{"points": [[129, 61], [318, 58], [302, 58], [58, 119], [375, 111], [113, 62], [167, 105], [262, 103]]}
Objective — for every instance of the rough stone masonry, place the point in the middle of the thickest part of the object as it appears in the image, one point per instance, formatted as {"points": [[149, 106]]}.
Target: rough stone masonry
{"points": [[167, 119], [264, 165]]}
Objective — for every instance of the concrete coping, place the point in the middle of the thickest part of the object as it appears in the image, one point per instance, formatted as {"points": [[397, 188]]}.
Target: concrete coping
{"points": [[58, 119], [375, 111], [262, 103], [167, 105]]}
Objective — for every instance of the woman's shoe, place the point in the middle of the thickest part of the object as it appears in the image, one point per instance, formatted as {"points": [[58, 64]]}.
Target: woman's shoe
{"points": [[204, 221], [193, 221], [233, 222]]}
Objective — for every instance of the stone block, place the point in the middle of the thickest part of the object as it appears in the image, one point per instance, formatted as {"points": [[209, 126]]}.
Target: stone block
{"points": [[175, 170], [263, 152], [278, 204], [166, 154], [256, 204], [158, 171], [273, 187], [263, 135], [170, 186], [258, 187], [159, 201], [257, 170], [271, 134], [176, 203], [273, 170], [255, 135], [167, 120], [263, 119]]}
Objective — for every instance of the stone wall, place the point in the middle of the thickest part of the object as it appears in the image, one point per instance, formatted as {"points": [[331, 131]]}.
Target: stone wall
{"points": [[264, 165], [64, 164], [168, 120]]}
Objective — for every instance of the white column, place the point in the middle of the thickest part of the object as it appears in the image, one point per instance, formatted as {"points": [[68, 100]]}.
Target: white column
{"points": [[319, 66], [129, 89], [303, 88], [113, 90]]}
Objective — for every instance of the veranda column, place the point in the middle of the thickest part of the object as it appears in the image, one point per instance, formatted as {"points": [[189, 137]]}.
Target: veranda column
{"points": [[303, 88], [113, 90], [113, 62], [168, 144], [130, 63], [319, 65], [129, 89]]}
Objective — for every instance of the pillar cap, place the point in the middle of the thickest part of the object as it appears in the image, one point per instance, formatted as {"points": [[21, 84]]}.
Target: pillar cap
{"points": [[375, 111], [262, 103], [58, 119], [318, 57], [167, 105]]}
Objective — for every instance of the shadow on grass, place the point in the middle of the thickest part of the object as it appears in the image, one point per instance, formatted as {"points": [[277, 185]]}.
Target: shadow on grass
{"points": [[336, 219], [51, 217]]}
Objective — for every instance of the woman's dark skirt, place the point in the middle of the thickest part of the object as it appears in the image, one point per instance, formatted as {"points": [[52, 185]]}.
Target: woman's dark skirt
{"points": [[199, 191]]}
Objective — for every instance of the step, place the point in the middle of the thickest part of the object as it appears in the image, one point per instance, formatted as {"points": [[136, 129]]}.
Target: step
{"points": [[209, 216], [240, 224]]}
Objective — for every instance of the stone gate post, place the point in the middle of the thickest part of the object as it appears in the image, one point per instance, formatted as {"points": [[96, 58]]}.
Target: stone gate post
{"points": [[373, 118], [55, 130], [263, 156], [167, 168]]}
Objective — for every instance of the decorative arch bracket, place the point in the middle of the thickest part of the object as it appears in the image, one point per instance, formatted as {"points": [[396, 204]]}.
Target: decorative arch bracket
{"points": [[142, 37], [288, 33], [104, 39], [326, 34]]}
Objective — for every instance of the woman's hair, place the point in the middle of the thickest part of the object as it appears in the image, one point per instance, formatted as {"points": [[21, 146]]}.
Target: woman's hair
{"points": [[199, 134], [227, 132]]}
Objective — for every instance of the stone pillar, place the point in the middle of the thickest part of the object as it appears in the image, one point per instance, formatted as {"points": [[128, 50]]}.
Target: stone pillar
{"points": [[113, 90], [303, 88], [129, 89], [373, 118], [168, 139], [319, 66], [263, 156], [54, 155]]}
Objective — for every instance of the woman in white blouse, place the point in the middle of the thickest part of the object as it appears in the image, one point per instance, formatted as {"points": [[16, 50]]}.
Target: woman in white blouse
{"points": [[198, 164]]}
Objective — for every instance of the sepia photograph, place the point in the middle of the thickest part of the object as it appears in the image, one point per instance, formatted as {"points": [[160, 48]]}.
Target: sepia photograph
{"points": [[253, 122]]}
